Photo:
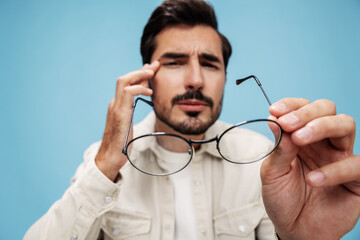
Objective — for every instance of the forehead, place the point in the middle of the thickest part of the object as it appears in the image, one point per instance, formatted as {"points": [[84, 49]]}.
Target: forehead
{"points": [[189, 40]]}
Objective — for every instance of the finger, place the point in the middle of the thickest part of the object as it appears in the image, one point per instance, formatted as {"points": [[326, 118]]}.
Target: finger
{"points": [[287, 105], [300, 117], [340, 129], [138, 90], [135, 77], [335, 173], [128, 94], [139, 77], [153, 66], [146, 66]]}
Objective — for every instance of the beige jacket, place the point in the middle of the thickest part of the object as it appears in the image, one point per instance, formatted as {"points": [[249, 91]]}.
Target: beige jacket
{"points": [[227, 199]]}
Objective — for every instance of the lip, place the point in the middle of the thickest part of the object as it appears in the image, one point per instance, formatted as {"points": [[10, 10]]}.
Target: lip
{"points": [[192, 105]]}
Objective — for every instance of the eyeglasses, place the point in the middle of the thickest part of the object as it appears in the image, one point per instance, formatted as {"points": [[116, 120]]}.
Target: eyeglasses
{"points": [[253, 140]]}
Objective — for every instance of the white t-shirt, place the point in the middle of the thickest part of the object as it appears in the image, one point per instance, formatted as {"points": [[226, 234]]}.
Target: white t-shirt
{"points": [[185, 224]]}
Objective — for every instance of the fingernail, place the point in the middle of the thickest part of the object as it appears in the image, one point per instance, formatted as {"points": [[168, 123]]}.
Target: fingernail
{"points": [[317, 177], [305, 133], [149, 71], [279, 107], [290, 118]]}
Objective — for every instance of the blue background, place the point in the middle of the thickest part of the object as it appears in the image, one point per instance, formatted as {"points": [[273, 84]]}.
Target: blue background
{"points": [[59, 61]]}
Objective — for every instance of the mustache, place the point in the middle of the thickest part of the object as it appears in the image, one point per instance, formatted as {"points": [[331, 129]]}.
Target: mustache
{"points": [[193, 94]]}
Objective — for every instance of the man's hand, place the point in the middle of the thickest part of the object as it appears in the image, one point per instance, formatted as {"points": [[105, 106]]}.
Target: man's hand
{"points": [[110, 158], [311, 182]]}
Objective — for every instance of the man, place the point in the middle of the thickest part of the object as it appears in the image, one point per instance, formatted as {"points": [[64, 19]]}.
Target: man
{"points": [[310, 183]]}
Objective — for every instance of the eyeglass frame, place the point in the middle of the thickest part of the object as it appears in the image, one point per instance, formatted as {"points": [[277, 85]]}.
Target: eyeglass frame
{"points": [[217, 138]]}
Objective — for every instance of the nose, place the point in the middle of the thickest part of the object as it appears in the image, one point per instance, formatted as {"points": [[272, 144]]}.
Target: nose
{"points": [[194, 79]]}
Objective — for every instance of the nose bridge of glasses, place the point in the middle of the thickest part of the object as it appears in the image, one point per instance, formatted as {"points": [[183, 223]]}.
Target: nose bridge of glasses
{"points": [[216, 138]]}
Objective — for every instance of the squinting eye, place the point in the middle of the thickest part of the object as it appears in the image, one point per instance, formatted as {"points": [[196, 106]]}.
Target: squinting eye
{"points": [[205, 64], [170, 63]]}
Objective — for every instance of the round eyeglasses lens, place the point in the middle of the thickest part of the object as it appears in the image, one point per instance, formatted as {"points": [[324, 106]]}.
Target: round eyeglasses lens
{"points": [[159, 154], [253, 141]]}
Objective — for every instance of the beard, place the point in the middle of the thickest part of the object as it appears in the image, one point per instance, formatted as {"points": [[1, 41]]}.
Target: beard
{"points": [[191, 125]]}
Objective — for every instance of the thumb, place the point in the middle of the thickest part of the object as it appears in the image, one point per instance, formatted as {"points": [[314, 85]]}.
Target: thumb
{"points": [[278, 163]]}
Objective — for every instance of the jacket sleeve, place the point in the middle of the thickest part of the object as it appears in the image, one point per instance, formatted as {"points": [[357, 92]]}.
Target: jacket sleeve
{"points": [[77, 215]]}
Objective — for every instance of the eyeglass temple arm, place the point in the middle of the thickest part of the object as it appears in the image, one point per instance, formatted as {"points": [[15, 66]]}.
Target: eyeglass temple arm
{"points": [[239, 81], [131, 120]]}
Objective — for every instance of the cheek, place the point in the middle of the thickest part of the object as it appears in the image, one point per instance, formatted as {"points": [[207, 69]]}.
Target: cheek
{"points": [[217, 87], [166, 83]]}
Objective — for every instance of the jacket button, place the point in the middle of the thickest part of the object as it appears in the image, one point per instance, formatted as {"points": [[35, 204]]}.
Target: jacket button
{"points": [[108, 199], [241, 228], [116, 231]]}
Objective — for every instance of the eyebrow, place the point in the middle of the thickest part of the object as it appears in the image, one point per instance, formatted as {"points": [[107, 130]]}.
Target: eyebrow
{"points": [[210, 57], [175, 55]]}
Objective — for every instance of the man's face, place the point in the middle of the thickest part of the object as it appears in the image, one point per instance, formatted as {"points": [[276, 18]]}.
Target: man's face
{"points": [[188, 87]]}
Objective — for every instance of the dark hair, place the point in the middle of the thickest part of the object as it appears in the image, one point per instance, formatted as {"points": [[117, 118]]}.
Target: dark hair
{"points": [[176, 12]]}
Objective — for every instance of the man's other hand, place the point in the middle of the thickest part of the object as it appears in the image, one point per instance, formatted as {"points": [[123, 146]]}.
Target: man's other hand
{"points": [[311, 182]]}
